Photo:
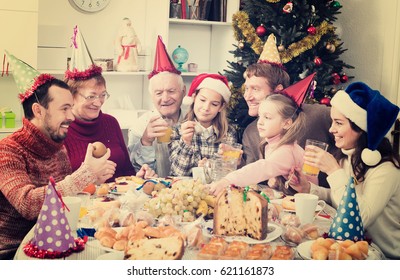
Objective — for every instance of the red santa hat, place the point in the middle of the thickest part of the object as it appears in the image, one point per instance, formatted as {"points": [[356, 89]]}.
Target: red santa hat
{"points": [[81, 66], [215, 82], [162, 61]]}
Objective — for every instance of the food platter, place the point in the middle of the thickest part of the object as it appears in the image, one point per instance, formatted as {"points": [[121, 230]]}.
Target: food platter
{"points": [[304, 250], [274, 231]]}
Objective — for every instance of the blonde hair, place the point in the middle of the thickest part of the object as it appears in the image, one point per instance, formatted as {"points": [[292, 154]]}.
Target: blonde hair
{"points": [[287, 109], [220, 121]]}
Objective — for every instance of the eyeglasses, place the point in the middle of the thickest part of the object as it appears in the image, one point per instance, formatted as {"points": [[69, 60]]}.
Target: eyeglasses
{"points": [[92, 98]]}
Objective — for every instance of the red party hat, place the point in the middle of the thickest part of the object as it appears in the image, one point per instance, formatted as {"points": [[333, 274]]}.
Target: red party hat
{"points": [[299, 90], [162, 61]]}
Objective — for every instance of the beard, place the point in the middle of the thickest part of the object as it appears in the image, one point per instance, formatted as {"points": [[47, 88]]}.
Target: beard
{"points": [[54, 133]]}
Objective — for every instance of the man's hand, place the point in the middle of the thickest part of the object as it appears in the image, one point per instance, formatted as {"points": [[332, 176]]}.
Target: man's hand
{"points": [[156, 127], [101, 167]]}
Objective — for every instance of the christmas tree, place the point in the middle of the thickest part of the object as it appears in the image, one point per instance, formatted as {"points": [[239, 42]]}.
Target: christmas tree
{"points": [[306, 41]]}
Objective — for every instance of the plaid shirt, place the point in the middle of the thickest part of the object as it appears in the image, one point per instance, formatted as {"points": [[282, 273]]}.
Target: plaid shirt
{"points": [[183, 157]]}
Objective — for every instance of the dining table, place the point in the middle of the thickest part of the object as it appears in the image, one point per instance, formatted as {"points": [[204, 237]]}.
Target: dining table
{"points": [[94, 251]]}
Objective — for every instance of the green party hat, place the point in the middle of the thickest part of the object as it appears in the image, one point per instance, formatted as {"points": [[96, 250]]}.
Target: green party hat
{"points": [[26, 77]]}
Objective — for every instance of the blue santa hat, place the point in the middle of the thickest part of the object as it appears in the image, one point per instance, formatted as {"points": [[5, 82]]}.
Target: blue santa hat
{"points": [[347, 223], [370, 111]]}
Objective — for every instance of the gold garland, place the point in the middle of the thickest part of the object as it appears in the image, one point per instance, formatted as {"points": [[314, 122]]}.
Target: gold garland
{"points": [[273, 1], [306, 43], [243, 28]]}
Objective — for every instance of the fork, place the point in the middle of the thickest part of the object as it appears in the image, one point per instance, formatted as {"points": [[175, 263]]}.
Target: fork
{"points": [[288, 180]]}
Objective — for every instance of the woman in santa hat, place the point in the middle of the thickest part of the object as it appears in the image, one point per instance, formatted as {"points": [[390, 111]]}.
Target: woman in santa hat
{"points": [[361, 117], [205, 126]]}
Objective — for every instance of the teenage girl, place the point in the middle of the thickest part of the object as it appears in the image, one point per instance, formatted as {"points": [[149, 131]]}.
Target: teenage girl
{"points": [[205, 126]]}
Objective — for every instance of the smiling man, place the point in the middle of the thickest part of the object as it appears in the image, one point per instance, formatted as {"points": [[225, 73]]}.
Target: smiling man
{"points": [[34, 153], [167, 90]]}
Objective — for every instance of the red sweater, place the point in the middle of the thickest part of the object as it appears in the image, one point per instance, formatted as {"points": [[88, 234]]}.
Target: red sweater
{"points": [[105, 129], [27, 159]]}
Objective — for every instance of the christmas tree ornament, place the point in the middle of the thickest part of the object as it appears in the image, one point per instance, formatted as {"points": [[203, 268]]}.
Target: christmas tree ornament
{"points": [[325, 101], [317, 61], [81, 66], [367, 108], [288, 8], [281, 48], [312, 30], [336, 4], [344, 78], [26, 77], [333, 90], [335, 78], [270, 52], [330, 47], [241, 45], [261, 30]]}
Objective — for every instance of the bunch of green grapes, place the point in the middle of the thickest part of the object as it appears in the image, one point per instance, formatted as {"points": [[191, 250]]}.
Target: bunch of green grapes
{"points": [[181, 199]]}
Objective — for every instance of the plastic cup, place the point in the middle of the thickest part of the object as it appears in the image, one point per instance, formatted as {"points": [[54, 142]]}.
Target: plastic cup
{"points": [[232, 151], [308, 169], [166, 138]]}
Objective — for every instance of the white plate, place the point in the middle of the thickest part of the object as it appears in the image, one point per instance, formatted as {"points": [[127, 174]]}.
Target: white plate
{"points": [[279, 201], [111, 256], [274, 231], [304, 250]]}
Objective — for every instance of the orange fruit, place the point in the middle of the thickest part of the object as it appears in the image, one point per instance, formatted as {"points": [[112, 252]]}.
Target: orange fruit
{"points": [[91, 188]]}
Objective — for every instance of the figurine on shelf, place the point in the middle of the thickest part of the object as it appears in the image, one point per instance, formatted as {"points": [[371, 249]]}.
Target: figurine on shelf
{"points": [[127, 47]]}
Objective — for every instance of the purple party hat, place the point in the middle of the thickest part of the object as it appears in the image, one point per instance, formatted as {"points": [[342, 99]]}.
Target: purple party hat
{"points": [[347, 223], [52, 234]]}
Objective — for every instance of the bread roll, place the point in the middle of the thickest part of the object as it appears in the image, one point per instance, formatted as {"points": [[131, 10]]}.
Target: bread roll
{"points": [[120, 245], [167, 248], [233, 216]]}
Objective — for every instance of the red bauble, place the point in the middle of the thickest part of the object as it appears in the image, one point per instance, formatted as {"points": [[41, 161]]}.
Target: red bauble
{"points": [[312, 30], [344, 78], [261, 30], [335, 78], [325, 101], [317, 61]]}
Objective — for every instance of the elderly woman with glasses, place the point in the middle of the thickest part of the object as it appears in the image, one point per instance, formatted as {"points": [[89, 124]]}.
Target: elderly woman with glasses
{"points": [[92, 125]]}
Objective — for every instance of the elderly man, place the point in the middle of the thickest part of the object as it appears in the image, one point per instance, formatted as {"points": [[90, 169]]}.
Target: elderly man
{"points": [[34, 153], [167, 91]]}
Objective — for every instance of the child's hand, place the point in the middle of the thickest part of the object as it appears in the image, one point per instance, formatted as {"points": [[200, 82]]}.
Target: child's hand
{"points": [[202, 162], [187, 131], [217, 187]]}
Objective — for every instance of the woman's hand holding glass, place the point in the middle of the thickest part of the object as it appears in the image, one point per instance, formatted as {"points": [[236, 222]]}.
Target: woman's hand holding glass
{"points": [[323, 160]]}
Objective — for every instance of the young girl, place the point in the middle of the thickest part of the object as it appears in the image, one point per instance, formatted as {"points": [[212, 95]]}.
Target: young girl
{"points": [[279, 124], [205, 125]]}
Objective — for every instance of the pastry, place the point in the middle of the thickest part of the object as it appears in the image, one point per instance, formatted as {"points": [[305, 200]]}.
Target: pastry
{"points": [[288, 203], [106, 203], [167, 248], [234, 216]]}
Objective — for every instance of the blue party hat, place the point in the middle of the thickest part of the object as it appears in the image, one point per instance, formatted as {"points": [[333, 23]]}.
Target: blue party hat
{"points": [[347, 223]]}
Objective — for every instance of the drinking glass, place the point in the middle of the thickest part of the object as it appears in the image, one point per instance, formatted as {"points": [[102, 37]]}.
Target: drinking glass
{"points": [[308, 169]]}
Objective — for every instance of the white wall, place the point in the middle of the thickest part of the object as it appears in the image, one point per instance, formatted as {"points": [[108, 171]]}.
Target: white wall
{"points": [[371, 32]]}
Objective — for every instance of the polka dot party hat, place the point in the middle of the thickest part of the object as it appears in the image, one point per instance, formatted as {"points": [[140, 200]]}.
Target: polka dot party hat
{"points": [[52, 234], [347, 223], [26, 77], [270, 52]]}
